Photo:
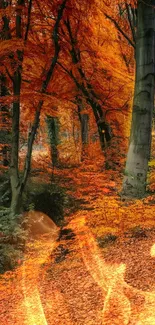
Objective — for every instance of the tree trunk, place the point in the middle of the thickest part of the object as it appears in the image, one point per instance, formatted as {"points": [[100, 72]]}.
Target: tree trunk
{"points": [[18, 183], [134, 184], [16, 198], [53, 133], [84, 128], [4, 109], [84, 121], [14, 171]]}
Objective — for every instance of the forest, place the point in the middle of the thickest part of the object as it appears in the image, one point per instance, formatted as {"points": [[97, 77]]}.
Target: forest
{"points": [[77, 162]]}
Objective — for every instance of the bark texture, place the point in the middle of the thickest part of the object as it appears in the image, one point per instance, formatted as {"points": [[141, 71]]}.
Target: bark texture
{"points": [[53, 134], [134, 184], [4, 91]]}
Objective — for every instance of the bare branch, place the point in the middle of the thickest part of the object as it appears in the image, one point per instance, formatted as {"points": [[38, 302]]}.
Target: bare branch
{"points": [[120, 30], [131, 23], [28, 21], [55, 38], [8, 73]]}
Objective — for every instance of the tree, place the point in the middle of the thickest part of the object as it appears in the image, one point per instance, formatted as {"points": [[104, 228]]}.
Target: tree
{"points": [[84, 119], [53, 134], [88, 66], [124, 18], [83, 69], [16, 66], [134, 183], [86, 70], [4, 109]]}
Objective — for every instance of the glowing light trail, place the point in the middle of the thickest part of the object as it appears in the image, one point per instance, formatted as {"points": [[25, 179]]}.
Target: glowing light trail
{"points": [[40, 223], [110, 278], [117, 294]]}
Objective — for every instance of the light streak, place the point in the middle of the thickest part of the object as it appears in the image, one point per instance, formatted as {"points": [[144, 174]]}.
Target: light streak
{"points": [[110, 278], [30, 270]]}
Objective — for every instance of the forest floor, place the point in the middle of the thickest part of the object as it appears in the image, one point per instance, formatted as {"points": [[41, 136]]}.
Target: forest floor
{"points": [[101, 268]]}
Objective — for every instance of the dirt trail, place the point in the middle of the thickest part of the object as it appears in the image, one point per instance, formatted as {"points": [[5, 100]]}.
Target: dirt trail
{"points": [[100, 271]]}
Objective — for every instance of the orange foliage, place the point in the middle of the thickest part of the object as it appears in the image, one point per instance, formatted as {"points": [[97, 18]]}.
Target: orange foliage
{"points": [[80, 287], [85, 285], [99, 46]]}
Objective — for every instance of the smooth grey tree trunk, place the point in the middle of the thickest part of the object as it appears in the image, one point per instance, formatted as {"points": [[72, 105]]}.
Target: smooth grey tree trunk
{"points": [[134, 184]]}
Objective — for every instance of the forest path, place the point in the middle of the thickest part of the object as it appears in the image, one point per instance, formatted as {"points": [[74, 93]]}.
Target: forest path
{"points": [[125, 233], [99, 271]]}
